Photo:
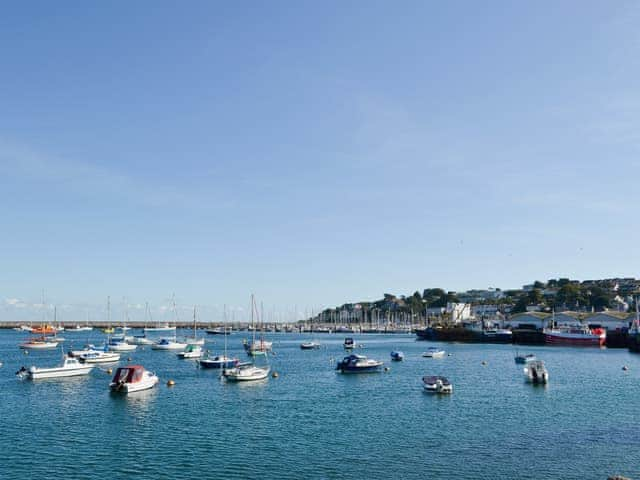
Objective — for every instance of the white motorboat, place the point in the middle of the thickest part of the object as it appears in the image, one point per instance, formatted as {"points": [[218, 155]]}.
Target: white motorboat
{"points": [[70, 367], [190, 351], [359, 364], [309, 345], [39, 343], [434, 352], [140, 340], [535, 372], [132, 378], [99, 357], [246, 372], [437, 384], [168, 344]]}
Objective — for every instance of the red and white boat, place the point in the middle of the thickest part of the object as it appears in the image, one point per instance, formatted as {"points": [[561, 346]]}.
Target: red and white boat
{"points": [[579, 335]]}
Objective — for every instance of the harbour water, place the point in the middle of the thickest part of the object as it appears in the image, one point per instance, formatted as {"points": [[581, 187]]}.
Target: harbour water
{"points": [[312, 422]]}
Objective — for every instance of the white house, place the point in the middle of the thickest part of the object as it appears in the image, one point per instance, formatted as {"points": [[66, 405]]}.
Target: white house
{"points": [[460, 312]]}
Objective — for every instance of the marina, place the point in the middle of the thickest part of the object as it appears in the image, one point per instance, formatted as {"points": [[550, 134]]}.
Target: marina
{"points": [[309, 388]]}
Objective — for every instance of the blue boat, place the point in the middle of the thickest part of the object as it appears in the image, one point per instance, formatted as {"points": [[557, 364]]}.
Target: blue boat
{"points": [[397, 356], [349, 343], [219, 361], [358, 364]]}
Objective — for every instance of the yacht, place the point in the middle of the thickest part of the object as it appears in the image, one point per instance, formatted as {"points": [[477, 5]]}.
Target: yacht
{"points": [[39, 343], [132, 378], [219, 361], [168, 344], [436, 384], [358, 364], [434, 352], [120, 345], [246, 372]]}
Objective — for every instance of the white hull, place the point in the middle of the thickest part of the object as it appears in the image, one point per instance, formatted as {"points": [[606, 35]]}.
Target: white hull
{"points": [[148, 381], [170, 346], [39, 346], [99, 357], [189, 354], [140, 341], [70, 368], [433, 354], [194, 341], [159, 329], [121, 347], [246, 374]]}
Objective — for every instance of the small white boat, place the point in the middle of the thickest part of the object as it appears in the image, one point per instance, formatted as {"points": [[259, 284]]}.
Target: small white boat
{"points": [[246, 372], [437, 384], [70, 367], [254, 347], [120, 345], [92, 354], [309, 345], [132, 378], [168, 344], [140, 340], [39, 343], [434, 352], [535, 372], [190, 351], [358, 364], [160, 328]]}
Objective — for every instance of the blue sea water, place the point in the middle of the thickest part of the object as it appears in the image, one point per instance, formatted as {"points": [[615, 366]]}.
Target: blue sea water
{"points": [[312, 422]]}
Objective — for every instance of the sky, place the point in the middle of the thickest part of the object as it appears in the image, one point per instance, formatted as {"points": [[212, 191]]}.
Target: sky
{"points": [[312, 153]]}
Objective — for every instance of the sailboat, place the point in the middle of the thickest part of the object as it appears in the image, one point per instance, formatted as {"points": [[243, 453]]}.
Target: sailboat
{"points": [[142, 339], [109, 328], [164, 327], [250, 371], [261, 345], [194, 340], [219, 361]]}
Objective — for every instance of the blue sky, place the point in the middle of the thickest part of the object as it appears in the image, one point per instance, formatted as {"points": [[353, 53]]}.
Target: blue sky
{"points": [[312, 152]]}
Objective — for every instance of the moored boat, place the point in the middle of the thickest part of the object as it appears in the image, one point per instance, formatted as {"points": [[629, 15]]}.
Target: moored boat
{"points": [[309, 345], [521, 359], [437, 384], [577, 335], [39, 343], [349, 343], [70, 367], [397, 356], [168, 344], [536, 372], [433, 352], [190, 351], [358, 364], [132, 378], [218, 361], [120, 345]]}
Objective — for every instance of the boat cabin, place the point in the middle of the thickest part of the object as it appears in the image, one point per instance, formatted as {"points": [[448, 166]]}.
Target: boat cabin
{"points": [[130, 374]]}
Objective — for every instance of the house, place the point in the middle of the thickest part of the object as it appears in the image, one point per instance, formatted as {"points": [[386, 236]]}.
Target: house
{"points": [[459, 311]]}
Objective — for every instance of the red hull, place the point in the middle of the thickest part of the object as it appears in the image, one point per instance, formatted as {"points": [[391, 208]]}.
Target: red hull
{"points": [[592, 341]]}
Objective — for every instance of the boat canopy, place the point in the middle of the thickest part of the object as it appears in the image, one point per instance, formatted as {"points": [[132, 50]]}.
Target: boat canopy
{"points": [[130, 374]]}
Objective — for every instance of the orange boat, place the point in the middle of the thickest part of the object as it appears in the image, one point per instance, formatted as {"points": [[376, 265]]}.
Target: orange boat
{"points": [[44, 330]]}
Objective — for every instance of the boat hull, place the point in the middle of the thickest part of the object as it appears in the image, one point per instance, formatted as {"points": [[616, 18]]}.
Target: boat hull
{"points": [[38, 346], [578, 340], [205, 363], [44, 373], [235, 375]]}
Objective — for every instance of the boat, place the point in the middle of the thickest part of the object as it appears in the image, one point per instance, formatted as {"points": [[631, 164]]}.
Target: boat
{"points": [[434, 352], [44, 330], [309, 345], [397, 356], [535, 372], [218, 361], [521, 359], [248, 371], [132, 378], [70, 367], [219, 331], [436, 384], [164, 327], [349, 343], [99, 356], [80, 328], [118, 344], [497, 335], [140, 340], [257, 346], [39, 343], [575, 334], [168, 344], [358, 364], [194, 340], [190, 351]]}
